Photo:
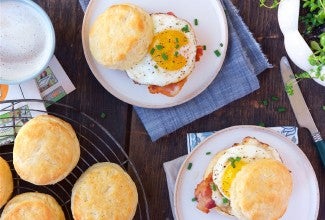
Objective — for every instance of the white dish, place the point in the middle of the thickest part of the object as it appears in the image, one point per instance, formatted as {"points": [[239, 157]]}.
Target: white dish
{"points": [[304, 201], [27, 40], [295, 45], [211, 31]]}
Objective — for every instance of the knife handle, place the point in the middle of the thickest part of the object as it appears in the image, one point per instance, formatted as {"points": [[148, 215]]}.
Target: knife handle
{"points": [[321, 150]]}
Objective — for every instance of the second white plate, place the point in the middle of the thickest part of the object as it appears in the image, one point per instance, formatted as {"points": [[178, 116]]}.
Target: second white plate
{"points": [[304, 201], [211, 31]]}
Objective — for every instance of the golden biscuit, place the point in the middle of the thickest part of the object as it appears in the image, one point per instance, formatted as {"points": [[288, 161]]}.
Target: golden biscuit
{"points": [[261, 190], [120, 37], [32, 206], [6, 182], [104, 191], [46, 150]]}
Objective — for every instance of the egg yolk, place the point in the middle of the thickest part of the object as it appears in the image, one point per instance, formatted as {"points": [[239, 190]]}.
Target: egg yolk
{"points": [[165, 48], [229, 175]]}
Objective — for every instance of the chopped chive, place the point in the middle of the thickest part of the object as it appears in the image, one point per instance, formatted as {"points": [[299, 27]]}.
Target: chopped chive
{"points": [[233, 161], [221, 44], [152, 51], [274, 98], [102, 115], [176, 40], [159, 47], [323, 107], [217, 53], [213, 186], [164, 56], [177, 46], [185, 29], [264, 102], [189, 166], [156, 67], [204, 47], [262, 124], [176, 54], [225, 200], [194, 199], [281, 109], [196, 22], [208, 153]]}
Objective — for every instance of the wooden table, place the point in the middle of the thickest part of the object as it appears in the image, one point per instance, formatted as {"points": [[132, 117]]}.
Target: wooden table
{"points": [[124, 124]]}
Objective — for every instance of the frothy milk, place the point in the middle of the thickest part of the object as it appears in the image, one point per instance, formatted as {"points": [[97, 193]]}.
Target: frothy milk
{"points": [[26, 40]]}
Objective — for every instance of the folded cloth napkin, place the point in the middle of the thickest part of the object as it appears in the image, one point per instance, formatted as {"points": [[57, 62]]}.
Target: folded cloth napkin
{"points": [[193, 139], [237, 78]]}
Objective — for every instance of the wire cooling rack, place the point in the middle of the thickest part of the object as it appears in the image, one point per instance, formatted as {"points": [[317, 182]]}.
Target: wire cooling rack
{"points": [[96, 145]]}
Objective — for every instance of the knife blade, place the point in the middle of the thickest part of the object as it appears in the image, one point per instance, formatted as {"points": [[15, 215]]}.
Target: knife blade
{"points": [[300, 108]]}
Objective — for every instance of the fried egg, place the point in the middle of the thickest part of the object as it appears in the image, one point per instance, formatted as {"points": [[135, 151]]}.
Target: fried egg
{"points": [[171, 55], [235, 158]]}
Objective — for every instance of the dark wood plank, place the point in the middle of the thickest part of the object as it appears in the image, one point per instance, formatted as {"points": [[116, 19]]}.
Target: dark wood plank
{"points": [[91, 98], [149, 156]]}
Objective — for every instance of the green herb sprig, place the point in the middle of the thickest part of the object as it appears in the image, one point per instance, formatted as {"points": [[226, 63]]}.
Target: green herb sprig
{"points": [[233, 161], [269, 3], [314, 19], [316, 15]]}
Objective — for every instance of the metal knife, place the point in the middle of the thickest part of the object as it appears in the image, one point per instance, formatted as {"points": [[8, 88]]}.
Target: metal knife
{"points": [[300, 108]]}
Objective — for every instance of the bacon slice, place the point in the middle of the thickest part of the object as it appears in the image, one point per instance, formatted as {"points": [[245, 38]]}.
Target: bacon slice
{"points": [[171, 13], [203, 195], [170, 90], [199, 52]]}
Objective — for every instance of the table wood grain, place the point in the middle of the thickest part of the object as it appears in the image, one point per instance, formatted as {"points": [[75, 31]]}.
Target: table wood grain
{"points": [[124, 124]]}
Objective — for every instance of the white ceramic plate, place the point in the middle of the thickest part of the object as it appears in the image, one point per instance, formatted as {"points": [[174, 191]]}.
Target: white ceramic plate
{"points": [[295, 45], [211, 31], [304, 201]]}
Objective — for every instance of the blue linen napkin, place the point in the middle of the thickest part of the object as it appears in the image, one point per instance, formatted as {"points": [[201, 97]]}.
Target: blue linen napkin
{"points": [[237, 78]]}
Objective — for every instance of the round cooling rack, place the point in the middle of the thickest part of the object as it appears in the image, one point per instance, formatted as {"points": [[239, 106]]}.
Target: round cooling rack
{"points": [[96, 145]]}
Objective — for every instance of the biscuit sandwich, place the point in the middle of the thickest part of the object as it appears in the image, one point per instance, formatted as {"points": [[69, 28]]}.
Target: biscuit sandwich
{"points": [[158, 50], [247, 180]]}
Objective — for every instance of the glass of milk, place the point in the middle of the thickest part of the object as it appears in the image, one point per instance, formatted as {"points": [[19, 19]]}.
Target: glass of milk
{"points": [[27, 40]]}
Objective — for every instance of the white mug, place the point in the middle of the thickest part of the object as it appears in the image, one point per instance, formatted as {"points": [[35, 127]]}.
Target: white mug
{"points": [[27, 40]]}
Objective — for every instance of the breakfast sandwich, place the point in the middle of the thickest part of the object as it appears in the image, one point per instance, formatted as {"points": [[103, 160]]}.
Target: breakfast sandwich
{"points": [[247, 180], [157, 50], [170, 58]]}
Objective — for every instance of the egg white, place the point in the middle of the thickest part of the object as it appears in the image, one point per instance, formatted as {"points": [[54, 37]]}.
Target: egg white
{"points": [[247, 153], [148, 72]]}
